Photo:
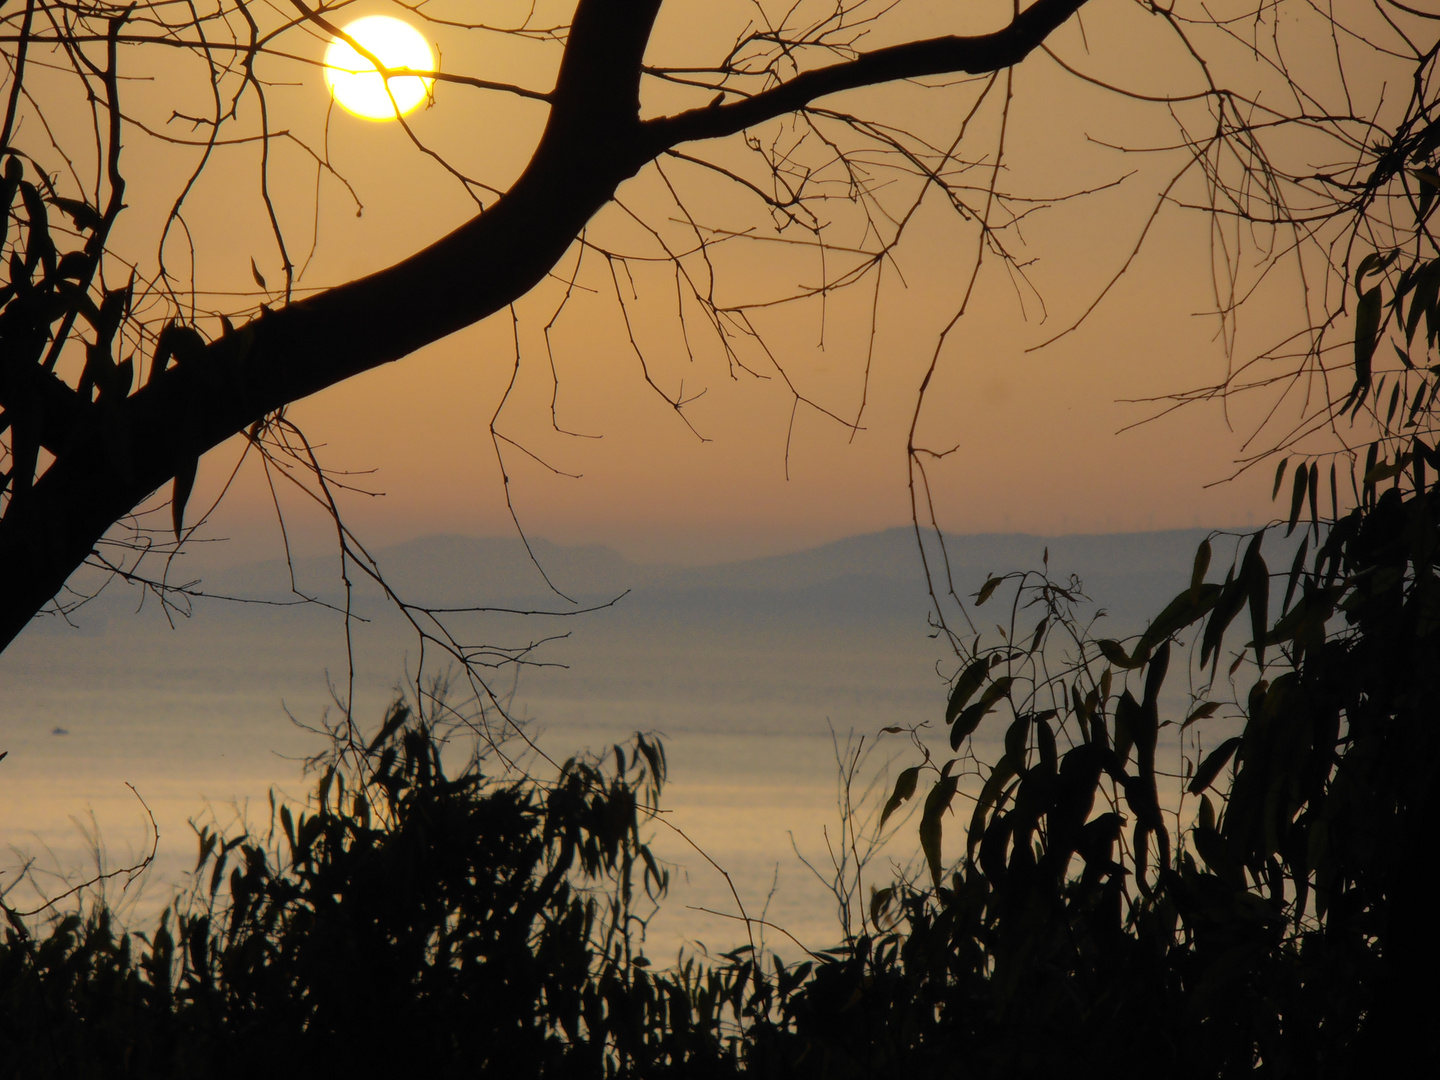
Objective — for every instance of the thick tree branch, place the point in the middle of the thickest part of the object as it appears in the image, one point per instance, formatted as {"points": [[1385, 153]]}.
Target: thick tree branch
{"points": [[976, 55], [114, 454]]}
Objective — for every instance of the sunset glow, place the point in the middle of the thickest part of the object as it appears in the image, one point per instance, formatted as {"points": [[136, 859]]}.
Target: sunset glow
{"points": [[356, 83]]}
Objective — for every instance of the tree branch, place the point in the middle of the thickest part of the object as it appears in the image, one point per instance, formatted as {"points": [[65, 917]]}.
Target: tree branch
{"points": [[977, 55], [114, 454]]}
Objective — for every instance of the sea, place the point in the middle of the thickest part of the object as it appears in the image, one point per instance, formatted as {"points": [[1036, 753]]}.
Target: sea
{"points": [[130, 725]]}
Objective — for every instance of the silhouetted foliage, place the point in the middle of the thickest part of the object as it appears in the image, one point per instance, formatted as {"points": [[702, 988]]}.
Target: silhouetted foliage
{"points": [[407, 922], [1272, 916]]}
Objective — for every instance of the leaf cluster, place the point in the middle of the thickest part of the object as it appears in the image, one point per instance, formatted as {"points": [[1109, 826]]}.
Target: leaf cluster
{"points": [[410, 919], [407, 922], [1281, 925]]}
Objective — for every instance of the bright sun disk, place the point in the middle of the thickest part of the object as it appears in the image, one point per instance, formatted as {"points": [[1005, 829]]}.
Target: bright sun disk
{"points": [[356, 84]]}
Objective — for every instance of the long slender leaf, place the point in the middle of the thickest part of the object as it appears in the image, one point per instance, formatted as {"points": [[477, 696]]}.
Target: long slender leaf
{"points": [[936, 804], [184, 482], [1213, 763], [904, 788], [970, 719], [1279, 477], [969, 681], [1297, 496]]}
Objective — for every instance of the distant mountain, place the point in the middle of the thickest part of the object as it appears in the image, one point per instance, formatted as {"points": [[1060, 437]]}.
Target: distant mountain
{"points": [[790, 643], [875, 577], [871, 580]]}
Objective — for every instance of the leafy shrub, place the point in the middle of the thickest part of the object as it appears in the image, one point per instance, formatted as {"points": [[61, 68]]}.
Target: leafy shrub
{"points": [[406, 921], [409, 920], [1284, 926]]}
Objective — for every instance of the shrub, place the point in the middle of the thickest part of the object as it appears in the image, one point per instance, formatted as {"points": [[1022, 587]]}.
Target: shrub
{"points": [[406, 921]]}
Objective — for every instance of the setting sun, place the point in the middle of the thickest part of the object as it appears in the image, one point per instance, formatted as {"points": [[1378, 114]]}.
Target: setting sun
{"points": [[356, 83]]}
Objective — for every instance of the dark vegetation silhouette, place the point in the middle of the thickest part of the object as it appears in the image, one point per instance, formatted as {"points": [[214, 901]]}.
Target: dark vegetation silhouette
{"points": [[409, 920], [1262, 905]]}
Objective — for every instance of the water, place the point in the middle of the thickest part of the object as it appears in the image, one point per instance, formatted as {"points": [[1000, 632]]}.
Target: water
{"points": [[753, 674]]}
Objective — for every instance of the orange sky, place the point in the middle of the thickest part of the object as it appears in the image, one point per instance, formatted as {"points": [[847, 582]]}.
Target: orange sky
{"points": [[1035, 432]]}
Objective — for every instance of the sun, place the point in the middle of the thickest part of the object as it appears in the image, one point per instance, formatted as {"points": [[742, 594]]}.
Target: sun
{"points": [[356, 84]]}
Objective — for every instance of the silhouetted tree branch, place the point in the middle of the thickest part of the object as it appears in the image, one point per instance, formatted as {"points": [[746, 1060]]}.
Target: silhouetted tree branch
{"points": [[90, 443], [111, 453]]}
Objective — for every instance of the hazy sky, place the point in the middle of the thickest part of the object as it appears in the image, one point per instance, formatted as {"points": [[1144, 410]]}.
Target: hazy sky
{"points": [[1034, 432]]}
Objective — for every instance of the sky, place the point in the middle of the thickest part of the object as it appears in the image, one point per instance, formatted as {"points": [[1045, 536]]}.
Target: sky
{"points": [[1037, 439], [1032, 439]]}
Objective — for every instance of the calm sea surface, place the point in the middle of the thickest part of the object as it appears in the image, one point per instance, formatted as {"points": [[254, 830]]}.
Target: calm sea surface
{"points": [[753, 684]]}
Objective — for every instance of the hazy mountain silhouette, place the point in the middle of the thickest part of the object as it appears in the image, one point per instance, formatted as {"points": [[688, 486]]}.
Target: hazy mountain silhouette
{"points": [[873, 579]]}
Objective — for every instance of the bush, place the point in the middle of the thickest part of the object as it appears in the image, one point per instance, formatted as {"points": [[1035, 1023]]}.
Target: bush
{"points": [[407, 921], [1286, 928]]}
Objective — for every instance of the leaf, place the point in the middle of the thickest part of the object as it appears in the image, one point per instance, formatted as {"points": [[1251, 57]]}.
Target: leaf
{"points": [[1155, 676], [1202, 564], [287, 822], [1427, 287], [73, 265], [255, 273], [175, 340], [1257, 586], [1127, 719], [1039, 633], [1186, 608], [1211, 766], [1080, 710], [936, 803], [184, 482], [112, 312], [84, 215], [1315, 492], [1205, 819], [1367, 332], [1203, 711], [1216, 852], [1005, 770], [654, 753], [1415, 404], [124, 376], [904, 788], [394, 722], [1112, 652], [1376, 261], [880, 900], [39, 241], [969, 681], [1017, 737], [1279, 477], [1386, 470], [1295, 568], [970, 719], [1297, 495], [991, 584]]}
